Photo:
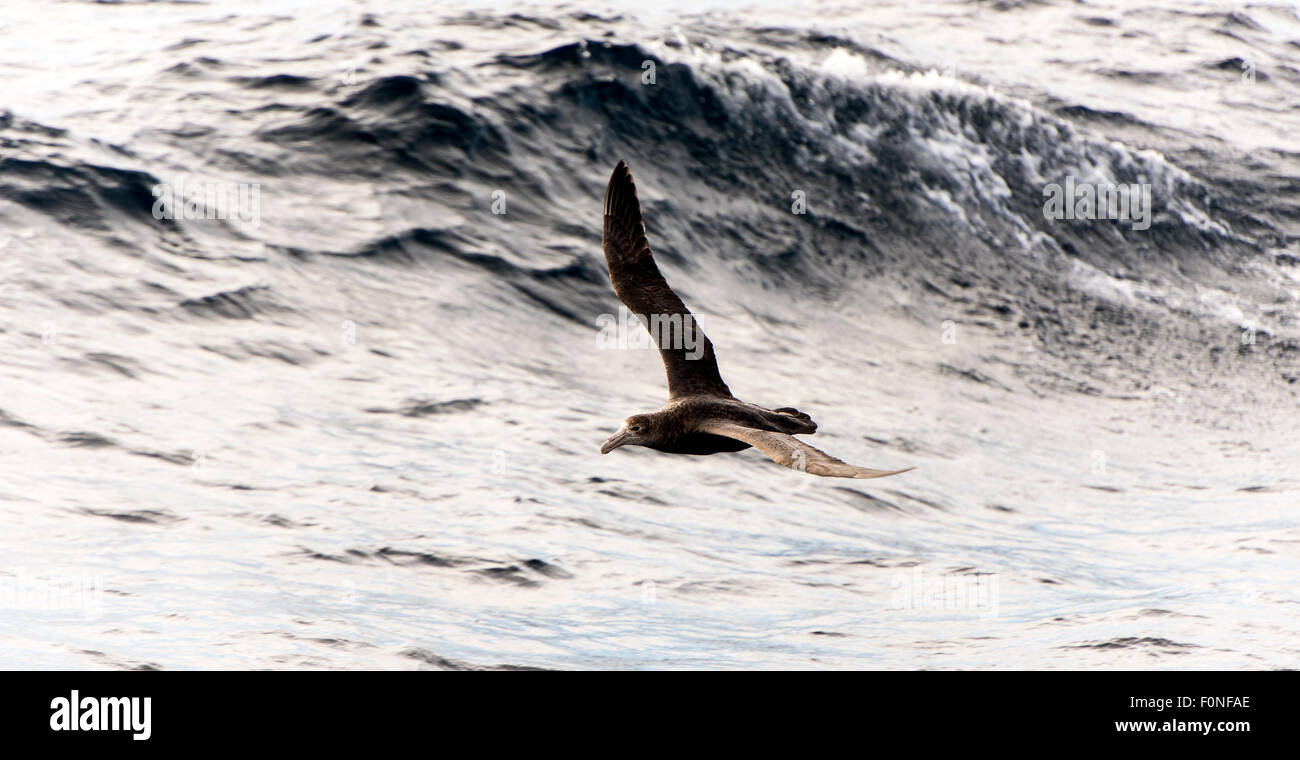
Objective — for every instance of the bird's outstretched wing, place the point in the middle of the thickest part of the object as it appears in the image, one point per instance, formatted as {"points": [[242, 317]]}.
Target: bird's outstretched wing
{"points": [[791, 452], [688, 355]]}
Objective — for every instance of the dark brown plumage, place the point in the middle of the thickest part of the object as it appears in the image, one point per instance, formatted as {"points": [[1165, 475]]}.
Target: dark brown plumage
{"points": [[701, 416], [642, 288]]}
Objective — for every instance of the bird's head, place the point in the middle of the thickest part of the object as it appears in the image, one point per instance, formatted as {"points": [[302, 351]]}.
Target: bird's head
{"points": [[636, 431]]}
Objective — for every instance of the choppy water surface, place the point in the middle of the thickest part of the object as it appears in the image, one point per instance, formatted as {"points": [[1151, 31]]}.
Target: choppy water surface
{"points": [[360, 427]]}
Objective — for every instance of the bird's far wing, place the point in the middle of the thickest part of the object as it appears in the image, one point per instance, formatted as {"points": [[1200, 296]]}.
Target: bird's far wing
{"points": [[688, 355], [788, 451]]}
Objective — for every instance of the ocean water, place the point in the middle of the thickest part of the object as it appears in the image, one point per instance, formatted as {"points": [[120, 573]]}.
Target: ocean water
{"points": [[344, 411]]}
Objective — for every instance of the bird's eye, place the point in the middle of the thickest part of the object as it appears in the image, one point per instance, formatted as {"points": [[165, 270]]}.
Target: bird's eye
{"points": [[635, 428]]}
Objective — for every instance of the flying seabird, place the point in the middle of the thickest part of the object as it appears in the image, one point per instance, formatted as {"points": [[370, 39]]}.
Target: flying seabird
{"points": [[701, 416]]}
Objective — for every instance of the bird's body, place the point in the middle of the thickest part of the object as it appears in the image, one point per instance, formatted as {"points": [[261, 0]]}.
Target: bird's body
{"points": [[677, 425], [701, 416]]}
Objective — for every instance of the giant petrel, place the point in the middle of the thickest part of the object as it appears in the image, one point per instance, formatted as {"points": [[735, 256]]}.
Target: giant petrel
{"points": [[701, 416]]}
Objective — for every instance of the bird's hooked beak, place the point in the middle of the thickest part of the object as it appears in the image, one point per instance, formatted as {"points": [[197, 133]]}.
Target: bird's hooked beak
{"points": [[614, 441]]}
